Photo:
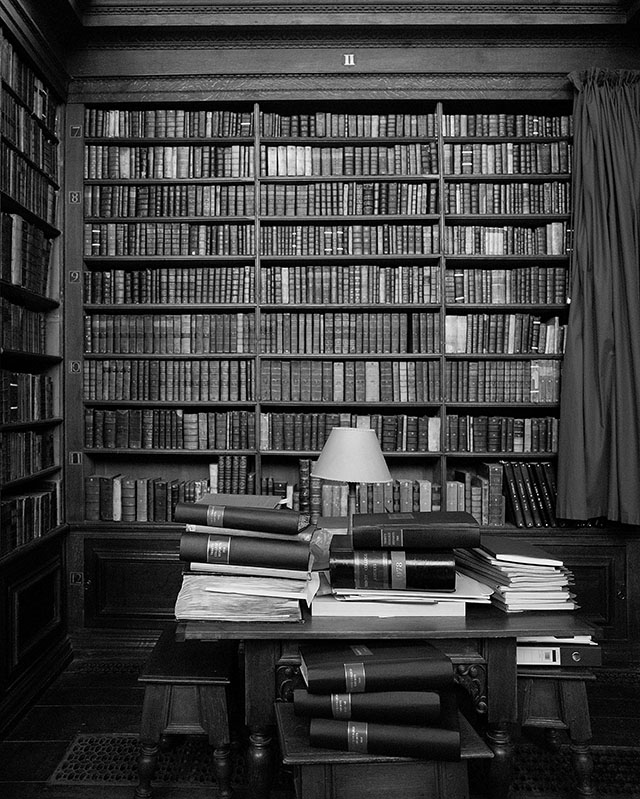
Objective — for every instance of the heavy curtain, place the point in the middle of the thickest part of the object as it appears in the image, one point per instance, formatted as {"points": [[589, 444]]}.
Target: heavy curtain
{"points": [[599, 435]]}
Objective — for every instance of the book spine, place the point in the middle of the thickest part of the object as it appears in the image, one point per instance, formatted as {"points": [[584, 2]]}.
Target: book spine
{"points": [[263, 519], [421, 708], [427, 743], [392, 569], [416, 537], [244, 551]]}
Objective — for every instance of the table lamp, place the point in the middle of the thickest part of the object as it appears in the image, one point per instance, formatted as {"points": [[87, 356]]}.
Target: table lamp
{"points": [[352, 455]]}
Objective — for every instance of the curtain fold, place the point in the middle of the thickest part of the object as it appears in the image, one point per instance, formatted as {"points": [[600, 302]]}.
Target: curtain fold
{"points": [[599, 434]]}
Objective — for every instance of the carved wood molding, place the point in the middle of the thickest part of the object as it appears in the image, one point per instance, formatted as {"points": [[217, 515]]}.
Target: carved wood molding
{"points": [[365, 12], [473, 678], [211, 88], [416, 39]]}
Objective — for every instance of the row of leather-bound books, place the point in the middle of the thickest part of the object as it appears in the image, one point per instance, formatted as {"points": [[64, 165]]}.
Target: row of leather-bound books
{"points": [[354, 283], [329, 198]]}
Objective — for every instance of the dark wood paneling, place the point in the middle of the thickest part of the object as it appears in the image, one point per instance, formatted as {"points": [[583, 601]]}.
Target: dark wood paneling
{"points": [[35, 646], [606, 567], [130, 582]]}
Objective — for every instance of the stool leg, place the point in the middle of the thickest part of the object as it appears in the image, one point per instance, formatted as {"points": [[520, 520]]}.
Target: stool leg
{"points": [[575, 706], [146, 769], [222, 766], [552, 737], [583, 767]]}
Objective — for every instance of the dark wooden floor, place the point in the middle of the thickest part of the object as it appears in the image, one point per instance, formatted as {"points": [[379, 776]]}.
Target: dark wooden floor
{"points": [[102, 696]]}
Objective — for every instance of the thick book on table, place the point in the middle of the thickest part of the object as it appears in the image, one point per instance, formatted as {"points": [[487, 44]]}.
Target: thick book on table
{"points": [[241, 550], [393, 569], [421, 708], [332, 606], [221, 515], [415, 530], [402, 740], [365, 666]]}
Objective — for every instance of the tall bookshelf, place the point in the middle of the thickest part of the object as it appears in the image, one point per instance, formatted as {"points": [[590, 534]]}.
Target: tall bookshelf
{"points": [[32, 529], [252, 276]]}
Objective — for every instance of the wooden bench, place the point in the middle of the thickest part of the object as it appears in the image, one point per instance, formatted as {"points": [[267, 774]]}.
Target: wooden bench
{"points": [[328, 774], [554, 699], [186, 693]]}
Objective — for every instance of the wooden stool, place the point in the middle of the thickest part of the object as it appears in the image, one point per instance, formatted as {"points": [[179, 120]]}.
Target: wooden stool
{"points": [[327, 774], [556, 699], [186, 693]]}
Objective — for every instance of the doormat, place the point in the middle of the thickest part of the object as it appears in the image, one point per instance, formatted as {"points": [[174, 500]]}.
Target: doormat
{"points": [[113, 759], [543, 772]]}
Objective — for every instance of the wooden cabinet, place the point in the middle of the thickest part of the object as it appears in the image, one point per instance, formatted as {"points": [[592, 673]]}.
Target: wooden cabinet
{"points": [[605, 563], [123, 580]]}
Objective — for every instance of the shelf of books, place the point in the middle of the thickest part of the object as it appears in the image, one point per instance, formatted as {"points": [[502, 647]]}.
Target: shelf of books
{"points": [[30, 378], [252, 276]]}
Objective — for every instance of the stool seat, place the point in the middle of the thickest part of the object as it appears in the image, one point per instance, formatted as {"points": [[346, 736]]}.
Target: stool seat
{"points": [[186, 693], [329, 774]]}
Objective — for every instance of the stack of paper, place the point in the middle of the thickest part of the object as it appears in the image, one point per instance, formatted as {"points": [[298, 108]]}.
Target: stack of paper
{"points": [[242, 574], [242, 598], [387, 603], [521, 576]]}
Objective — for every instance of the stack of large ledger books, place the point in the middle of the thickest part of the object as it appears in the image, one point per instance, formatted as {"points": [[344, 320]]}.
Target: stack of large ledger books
{"points": [[401, 564], [243, 563], [380, 698], [521, 575]]}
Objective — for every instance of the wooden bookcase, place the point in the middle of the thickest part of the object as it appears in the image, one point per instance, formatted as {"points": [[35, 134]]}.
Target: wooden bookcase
{"points": [[251, 277], [32, 533]]}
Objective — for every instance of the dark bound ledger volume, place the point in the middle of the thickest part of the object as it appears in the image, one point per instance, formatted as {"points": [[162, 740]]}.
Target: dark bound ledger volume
{"points": [[421, 708], [427, 743], [396, 570], [374, 666], [240, 550], [415, 530], [237, 518]]}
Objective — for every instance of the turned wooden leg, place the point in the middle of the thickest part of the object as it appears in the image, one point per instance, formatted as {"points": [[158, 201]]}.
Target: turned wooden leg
{"points": [[259, 764], [222, 766], [501, 765], [583, 767], [146, 769], [553, 739]]}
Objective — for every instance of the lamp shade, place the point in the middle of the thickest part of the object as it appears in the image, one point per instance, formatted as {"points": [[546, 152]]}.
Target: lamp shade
{"points": [[352, 455]]}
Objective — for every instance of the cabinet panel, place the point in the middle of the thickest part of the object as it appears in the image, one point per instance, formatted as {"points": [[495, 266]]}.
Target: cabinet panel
{"points": [[34, 605], [130, 582], [33, 620], [605, 568]]}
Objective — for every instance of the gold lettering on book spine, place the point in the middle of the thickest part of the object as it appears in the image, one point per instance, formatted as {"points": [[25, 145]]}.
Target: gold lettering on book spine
{"points": [[357, 736], [354, 678], [341, 706]]}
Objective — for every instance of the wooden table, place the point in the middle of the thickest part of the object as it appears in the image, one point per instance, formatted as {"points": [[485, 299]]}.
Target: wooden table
{"points": [[482, 647]]}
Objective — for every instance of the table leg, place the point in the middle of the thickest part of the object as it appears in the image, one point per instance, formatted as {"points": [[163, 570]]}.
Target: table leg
{"points": [[259, 763], [502, 711], [260, 694], [501, 765]]}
